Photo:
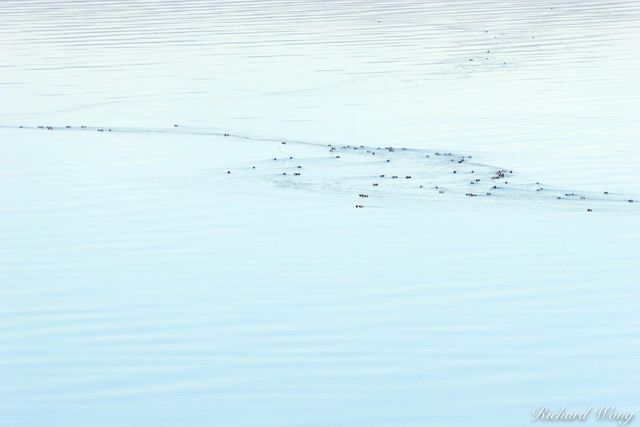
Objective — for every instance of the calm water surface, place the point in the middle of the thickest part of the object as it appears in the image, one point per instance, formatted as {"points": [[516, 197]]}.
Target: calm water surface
{"points": [[141, 285]]}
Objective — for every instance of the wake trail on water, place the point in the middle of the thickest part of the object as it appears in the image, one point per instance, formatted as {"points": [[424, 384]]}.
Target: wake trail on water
{"points": [[376, 175]]}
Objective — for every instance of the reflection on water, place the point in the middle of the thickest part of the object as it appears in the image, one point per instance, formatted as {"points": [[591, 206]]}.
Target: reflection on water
{"points": [[140, 284]]}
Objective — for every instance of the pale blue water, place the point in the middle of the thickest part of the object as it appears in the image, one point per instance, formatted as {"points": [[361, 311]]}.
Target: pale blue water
{"points": [[140, 284]]}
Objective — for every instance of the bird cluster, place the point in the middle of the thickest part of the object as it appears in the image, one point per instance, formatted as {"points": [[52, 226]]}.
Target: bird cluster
{"points": [[397, 167]]}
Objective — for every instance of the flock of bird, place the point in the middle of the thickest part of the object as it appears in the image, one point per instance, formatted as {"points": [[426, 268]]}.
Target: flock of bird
{"points": [[383, 172]]}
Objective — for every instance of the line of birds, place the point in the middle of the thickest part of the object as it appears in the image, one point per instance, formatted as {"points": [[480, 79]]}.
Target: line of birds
{"points": [[497, 175]]}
